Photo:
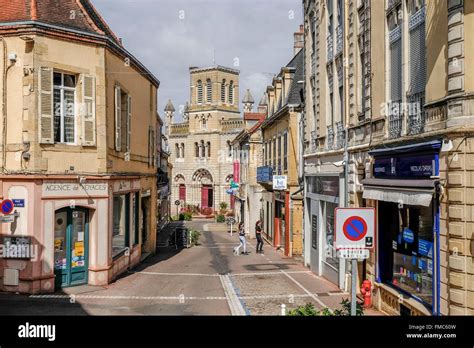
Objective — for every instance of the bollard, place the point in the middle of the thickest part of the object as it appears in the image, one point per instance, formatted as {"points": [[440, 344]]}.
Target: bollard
{"points": [[283, 309]]}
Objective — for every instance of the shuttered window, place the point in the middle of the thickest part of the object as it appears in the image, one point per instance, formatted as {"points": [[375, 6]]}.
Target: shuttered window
{"points": [[129, 122], [209, 91], [223, 91], [118, 119], [199, 91], [46, 105], [88, 114], [396, 70], [417, 58], [231, 92]]}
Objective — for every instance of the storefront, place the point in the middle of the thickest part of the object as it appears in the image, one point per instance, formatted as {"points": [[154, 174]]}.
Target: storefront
{"points": [[323, 196], [84, 231], [405, 190]]}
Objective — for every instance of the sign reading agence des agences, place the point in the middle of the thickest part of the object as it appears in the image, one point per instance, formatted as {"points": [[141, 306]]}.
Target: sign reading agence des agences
{"points": [[72, 189]]}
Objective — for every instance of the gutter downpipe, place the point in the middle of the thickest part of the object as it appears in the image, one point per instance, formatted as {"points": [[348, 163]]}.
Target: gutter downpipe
{"points": [[4, 103]]}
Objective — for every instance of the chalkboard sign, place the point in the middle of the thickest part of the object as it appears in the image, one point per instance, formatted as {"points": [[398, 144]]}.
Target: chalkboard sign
{"points": [[314, 231], [182, 239]]}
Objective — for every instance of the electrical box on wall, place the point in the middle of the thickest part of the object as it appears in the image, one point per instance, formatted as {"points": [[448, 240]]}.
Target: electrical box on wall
{"points": [[11, 277]]}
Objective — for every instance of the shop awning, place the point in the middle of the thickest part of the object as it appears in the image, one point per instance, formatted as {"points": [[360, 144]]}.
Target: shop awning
{"points": [[411, 192]]}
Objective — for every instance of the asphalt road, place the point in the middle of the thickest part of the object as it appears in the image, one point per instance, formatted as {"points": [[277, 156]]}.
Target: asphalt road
{"points": [[203, 280]]}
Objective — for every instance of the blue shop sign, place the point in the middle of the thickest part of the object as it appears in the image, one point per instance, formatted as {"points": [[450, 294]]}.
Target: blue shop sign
{"points": [[425, 248], [407, 161], [408, 235]]}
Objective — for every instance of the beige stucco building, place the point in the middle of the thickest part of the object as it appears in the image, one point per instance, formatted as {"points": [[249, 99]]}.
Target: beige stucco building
{"points": [[78, 143], [389, 82], [201, 150]]}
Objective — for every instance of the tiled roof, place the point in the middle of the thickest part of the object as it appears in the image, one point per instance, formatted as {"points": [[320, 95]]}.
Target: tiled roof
{"points": [[253, 116], [73, 14]]}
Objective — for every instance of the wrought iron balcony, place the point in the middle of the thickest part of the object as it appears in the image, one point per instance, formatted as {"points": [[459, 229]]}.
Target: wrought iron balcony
{"points": [[314, 143], [340, 135], [338, 40], [395, 119], [330, 139], [313, 63], [330, 48], [416, 114]]}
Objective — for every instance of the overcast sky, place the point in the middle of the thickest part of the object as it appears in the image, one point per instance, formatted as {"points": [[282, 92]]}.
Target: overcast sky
{"points": [[169, 36]]}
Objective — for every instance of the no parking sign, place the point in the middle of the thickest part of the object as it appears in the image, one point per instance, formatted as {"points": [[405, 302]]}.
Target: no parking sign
{"points": [[355, 228]]}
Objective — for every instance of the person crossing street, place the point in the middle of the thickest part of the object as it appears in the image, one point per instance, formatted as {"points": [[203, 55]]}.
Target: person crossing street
{"points": [[243, 242]]}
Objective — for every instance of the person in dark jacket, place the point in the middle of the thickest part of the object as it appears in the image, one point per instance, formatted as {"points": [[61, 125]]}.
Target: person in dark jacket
{"points": [[258, 233]]}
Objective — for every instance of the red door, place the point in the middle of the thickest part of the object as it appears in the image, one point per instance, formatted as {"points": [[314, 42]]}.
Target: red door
{"points": [[204, 197], [182, 192]]}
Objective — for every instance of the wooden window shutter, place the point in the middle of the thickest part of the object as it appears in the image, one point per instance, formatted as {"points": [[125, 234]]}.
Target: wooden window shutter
{"points": [[46, 109], [118, 118], [88, 115], [129, 122]]}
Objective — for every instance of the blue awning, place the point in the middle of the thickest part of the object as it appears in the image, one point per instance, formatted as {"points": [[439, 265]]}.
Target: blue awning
{"points": [[425, 146]]}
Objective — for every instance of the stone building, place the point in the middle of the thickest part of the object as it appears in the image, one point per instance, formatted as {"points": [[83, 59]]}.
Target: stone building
{"points": [[406, 114], [248, 152], [78, 145], [282, 204], [201, 150]]}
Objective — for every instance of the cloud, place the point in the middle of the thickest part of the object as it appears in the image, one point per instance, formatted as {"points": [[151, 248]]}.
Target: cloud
{"points": [[169, 36]]}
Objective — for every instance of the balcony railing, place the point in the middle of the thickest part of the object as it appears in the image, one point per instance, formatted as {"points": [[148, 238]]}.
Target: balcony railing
{"points": [[416, 114], [395, 119], [264, 174], [330, 139], [233, 124], [330, 48], [314, 143], [338, 40], [180, 128], [340, 135], [313, 63]]}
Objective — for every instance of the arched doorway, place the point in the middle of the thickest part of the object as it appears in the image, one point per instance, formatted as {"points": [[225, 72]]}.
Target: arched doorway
{"points": [[203, 179], [71, 246]]}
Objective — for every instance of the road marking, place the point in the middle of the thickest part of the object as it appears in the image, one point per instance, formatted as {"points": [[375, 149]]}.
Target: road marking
{"points": [[236, 307], [306, 290], [217, 274], [175, 298]]}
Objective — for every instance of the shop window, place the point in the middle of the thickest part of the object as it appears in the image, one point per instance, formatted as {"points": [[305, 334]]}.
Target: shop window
{"points": [[121, 227], [330, 254], [408, 264]]}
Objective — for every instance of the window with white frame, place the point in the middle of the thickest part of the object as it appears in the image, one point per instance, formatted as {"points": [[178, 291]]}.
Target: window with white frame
{"points": [[64, 108]]}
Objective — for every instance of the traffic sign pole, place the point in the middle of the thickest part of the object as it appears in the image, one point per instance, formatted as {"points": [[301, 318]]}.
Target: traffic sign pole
{"points": [[354, 289]]}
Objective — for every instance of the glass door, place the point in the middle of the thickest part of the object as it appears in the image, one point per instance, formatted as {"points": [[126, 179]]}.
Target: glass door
{"points": [[71, 247]]}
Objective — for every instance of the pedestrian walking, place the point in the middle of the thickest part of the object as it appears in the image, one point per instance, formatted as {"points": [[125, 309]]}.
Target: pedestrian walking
{"points": [[243, 242], [258, 233]]}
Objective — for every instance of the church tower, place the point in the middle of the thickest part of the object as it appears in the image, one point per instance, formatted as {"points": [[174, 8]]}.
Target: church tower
{"points": [[169, 111], [248, 101]]}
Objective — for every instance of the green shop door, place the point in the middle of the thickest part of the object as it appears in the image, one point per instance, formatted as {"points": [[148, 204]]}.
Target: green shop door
{"points": [[71, 244]]}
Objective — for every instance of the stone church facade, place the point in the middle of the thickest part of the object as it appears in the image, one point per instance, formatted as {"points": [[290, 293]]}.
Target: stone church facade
{"points": [[201, 150]]}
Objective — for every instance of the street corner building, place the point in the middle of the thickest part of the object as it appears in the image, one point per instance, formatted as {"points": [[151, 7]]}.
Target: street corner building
{"points": [[200, 142], [79, 147], [389, 114]]}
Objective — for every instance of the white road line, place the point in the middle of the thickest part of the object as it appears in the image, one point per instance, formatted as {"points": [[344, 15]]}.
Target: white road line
{"points": [[177, 274], [306, 290], [217, 274], [233, 301]]}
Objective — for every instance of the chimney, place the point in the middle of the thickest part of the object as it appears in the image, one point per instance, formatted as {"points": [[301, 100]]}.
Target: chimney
{"points": [[299, 40], [34, 10]]}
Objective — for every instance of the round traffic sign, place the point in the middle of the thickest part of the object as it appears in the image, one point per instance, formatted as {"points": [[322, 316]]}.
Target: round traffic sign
{"points": [[7, 206], [177, 202], [231, 221], [354, 228]]}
